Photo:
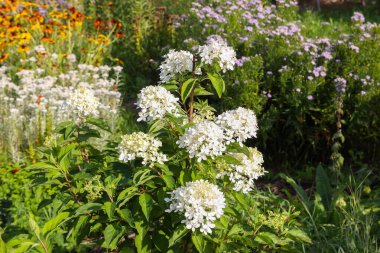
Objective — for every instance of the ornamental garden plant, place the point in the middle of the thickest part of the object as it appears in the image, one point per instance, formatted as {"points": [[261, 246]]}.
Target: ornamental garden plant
{"points": [[186, 184], [204, 126]]}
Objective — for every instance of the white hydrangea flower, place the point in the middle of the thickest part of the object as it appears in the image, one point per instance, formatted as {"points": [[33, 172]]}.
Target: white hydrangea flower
{"points": [[84, 103], [201, 203], [141, 145], [239, 124], [176, 62], [155, 102], [219, 51], [243, 176], [202, 140]]}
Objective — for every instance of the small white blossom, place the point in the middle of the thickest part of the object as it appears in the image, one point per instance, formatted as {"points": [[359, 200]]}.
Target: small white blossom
{"points": [[201, 203], [202, 140], [71, 58], [176, 62], [84, 103], [154, 102], [239, 124], [219, 51], [141, 145], [243, 176]]}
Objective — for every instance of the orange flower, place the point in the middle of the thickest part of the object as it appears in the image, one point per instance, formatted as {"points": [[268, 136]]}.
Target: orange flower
{"points": [[3, 57], [119, 34], [98, 23], [47, 39]]}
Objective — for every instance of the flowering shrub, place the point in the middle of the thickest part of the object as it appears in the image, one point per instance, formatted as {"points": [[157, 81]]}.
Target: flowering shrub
{"points": [[135, 191]]}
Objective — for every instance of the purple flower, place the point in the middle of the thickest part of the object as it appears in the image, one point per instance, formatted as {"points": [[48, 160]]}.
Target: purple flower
{"points": [[358, 17], [319, 71], [249, 28], [242, 60], [355, 48], [310, 98], [340, 84]]}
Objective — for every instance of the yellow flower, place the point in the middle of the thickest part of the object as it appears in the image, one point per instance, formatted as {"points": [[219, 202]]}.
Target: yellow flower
{"points": [[23, 48]]}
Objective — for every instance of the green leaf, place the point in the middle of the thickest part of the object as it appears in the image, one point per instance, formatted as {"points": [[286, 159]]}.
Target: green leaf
{"points": [[267, 238], [99, 123], [156, 126], [305, 200], [126, 195], [146, 203], [141, 241], [109, 208], [34, 226], [186, 88], [3, 248], [54, 223], [323, 186], [200, 91], [67, 128], [112, 235], [41, 165], [229, 159], [142, 176], [169, 181], [217, 82], [80, 230], [235, 230], [126, 215], [299, 235], [65, 150], [178, 234], [89, 208], [236, 148], [200, 243], [170, 87]]}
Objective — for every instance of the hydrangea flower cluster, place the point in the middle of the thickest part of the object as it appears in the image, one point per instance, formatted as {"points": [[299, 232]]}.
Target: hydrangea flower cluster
{"points": [[201, 203], [141, 145], [155, 102], [84, 103], [238, 125], [202, 140], [218, 51], [243, 176], [176, 62]]}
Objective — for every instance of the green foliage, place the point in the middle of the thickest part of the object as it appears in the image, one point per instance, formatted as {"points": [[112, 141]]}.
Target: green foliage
{"points": [[338, 216], [100, 202]]}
